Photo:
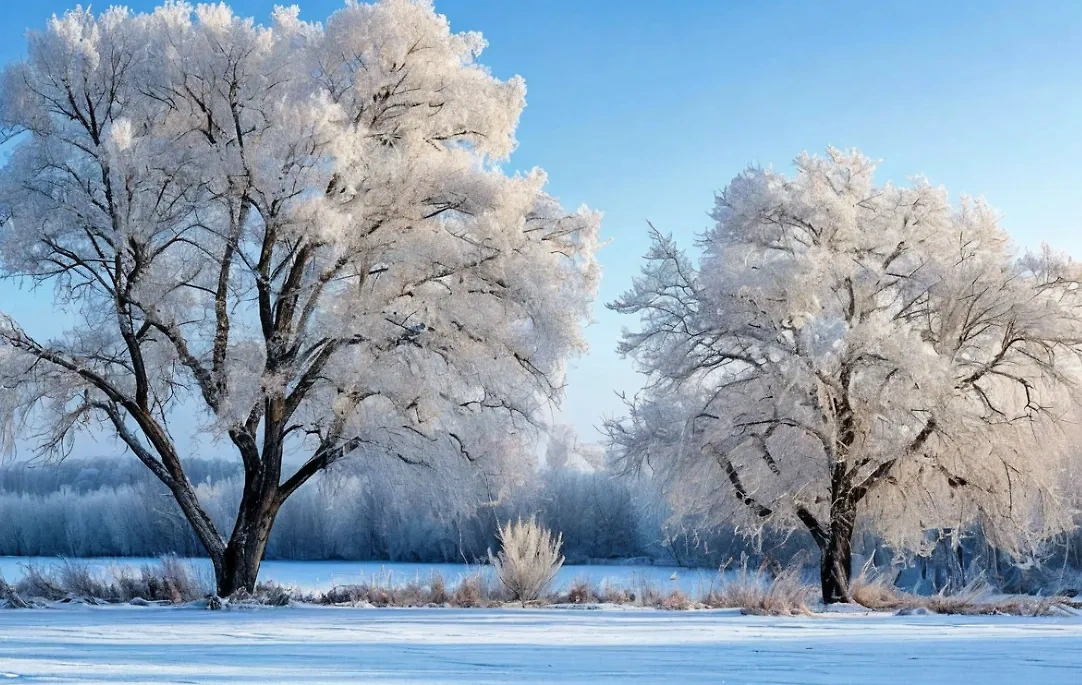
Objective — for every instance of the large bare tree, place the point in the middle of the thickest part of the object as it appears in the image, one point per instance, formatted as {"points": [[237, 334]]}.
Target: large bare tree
{"points": [[845, 352], [299, 232]]}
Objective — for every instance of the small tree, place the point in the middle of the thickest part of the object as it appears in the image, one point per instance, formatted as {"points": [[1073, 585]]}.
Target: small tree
{"points": [[529, 558], [297, 232], [845, 351]]}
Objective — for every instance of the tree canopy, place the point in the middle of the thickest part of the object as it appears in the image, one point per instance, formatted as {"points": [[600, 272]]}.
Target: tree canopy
{"points": [[845, 350], [300, 231]]}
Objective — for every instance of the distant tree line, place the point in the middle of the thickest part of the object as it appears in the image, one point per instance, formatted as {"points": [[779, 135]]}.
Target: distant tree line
{"points": [[111, 507]]}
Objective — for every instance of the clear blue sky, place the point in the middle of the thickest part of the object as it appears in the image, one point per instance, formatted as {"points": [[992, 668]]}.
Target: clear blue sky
{"points": [[645, 109]]}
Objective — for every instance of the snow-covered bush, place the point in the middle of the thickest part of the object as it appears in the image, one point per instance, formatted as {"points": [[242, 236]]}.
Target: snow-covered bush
{"points": [[528, 560]]}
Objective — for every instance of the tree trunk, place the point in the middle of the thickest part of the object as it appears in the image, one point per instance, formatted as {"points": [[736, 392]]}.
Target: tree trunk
{"points": [[238, 568], [836, 568]]}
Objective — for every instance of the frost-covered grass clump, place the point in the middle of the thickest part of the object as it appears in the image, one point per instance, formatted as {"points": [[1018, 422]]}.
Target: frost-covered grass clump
{"points": [[877, 593], [760, 592], [529, 559]]}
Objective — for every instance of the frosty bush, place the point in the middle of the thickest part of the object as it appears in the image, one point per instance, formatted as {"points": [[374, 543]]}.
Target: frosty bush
{"points": [[528, 560]]}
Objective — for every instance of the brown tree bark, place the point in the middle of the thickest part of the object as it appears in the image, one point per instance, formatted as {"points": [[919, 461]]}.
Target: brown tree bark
{"points": [[237, 567], [836, 564]]}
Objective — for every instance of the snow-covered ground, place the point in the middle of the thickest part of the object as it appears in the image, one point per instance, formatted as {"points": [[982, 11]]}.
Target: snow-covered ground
{"points": [[126, 644], [322, 575], [328, 645]]}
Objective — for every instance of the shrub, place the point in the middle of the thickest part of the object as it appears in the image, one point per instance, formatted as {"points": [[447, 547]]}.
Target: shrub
{"points": [[529, 559]]}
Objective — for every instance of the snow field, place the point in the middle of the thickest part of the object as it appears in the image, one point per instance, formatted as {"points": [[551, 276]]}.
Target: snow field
{"points": [[328, 645]]}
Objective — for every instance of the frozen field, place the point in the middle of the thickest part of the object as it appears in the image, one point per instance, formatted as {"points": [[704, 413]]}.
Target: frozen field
{"points": [[323, 575], [327, 645]]}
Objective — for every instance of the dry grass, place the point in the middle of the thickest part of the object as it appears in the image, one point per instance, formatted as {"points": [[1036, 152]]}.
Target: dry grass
{"points": [[378, 592], [437, 589], [640, 592], [643, 591], [477, 590], [975, 599], [472, 591], [76, 579], [758, 592], [581, 591], [675, 601], [985, 605], [468, 593], [170, 580], [755, 592], [10, 598], [38, 583], [610, 593], [877, 593], [762, 594]]}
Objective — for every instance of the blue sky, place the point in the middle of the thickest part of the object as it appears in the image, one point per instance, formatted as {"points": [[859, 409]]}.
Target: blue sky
{"points": [[644, 109]]}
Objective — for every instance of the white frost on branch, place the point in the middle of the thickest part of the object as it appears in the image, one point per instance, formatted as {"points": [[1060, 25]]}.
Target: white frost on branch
{"points": [[842, 349], [299, 229]]}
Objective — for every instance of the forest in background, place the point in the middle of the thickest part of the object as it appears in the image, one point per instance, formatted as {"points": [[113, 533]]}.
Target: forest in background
{"points": [[107, 507]]}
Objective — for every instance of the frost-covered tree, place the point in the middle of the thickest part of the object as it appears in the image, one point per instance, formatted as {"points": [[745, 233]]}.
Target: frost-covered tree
{"points": [[844, 352], [564, 450], [298, 231]]}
